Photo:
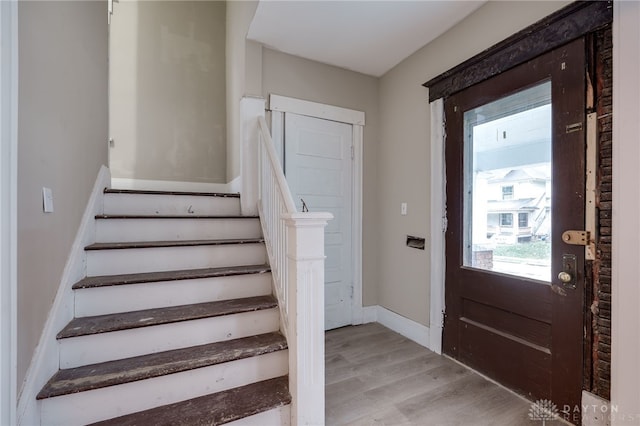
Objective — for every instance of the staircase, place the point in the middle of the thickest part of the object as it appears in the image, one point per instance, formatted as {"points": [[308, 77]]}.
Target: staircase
{"points": [[175, 322]]}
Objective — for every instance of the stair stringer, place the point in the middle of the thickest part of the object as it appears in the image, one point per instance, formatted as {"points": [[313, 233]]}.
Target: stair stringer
{"points": [[45, 360]]}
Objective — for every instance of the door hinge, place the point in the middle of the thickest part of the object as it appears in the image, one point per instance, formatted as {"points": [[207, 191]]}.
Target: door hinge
{"points": [[444, 318], [353, 153], [445, 224]]}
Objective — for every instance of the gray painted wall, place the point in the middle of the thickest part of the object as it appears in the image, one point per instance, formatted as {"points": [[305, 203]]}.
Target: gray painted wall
{"points": [[62, 133], [291, 76], [168, 91], [244, 74]]}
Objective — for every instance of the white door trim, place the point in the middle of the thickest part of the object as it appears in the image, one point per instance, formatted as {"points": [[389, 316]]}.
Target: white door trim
{"points": [[316, 110], [8, 209], [438, 226], [281, 104], [357, 313]]}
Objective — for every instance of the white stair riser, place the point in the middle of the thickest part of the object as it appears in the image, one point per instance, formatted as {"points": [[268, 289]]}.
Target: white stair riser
{"points": [[280, 416], [122, 230], [135, 297], [113, 401], [127, 261], [95, 348], [148, 204]]}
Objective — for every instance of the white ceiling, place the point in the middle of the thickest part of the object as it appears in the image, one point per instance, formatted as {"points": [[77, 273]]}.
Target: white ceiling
{"points": [[370, 37]]}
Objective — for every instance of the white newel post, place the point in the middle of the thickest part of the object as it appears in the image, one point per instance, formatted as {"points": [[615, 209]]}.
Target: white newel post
{"points": [[250, 109], [305, 253]]}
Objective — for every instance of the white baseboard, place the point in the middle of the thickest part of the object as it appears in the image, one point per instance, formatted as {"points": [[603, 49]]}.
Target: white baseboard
{"points": [[45, 361], [408, 328], [166, 185]]}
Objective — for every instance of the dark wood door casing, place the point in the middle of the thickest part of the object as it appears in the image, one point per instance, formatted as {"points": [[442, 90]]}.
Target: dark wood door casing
{"points": [[573, 21]]}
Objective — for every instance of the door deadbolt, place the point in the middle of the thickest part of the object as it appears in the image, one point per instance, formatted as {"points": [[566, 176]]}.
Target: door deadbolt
{"points": [[568, 274]]}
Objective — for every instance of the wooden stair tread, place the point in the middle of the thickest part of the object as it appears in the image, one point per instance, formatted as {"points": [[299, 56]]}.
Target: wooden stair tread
{"points": [[179, 243], [146, 277], [183, 216], [110, 373], [215, 409], [84, 326], [151, 192]]}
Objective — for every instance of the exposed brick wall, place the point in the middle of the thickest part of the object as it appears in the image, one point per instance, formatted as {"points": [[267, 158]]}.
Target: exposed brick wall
{"points": [[601, 289]]}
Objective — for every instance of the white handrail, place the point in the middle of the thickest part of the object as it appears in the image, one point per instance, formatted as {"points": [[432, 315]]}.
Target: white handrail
{"points": [[295, 246]]}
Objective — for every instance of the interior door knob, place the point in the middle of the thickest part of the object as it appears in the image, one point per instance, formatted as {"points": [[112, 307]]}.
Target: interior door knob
{"points": [[564, 277]]}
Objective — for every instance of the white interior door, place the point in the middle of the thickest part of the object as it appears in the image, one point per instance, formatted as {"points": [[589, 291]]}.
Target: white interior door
{"points": [[318, 166]]}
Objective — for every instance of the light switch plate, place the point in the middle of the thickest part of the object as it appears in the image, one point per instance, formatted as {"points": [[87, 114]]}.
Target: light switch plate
{"points": [[403, 209], [47, 200]]}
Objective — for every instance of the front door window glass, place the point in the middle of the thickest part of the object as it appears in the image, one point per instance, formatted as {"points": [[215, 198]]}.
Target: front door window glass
{"points": [[507, 207]]}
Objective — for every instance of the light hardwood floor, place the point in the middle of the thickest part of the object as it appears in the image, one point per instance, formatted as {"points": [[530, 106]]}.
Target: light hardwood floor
{"points": [[375, 376]]}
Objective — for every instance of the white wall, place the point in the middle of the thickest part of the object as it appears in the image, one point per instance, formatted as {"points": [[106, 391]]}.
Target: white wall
{"points": [[291, 76], [168, 91], [403, 168], [625, 339], [62, 133]]}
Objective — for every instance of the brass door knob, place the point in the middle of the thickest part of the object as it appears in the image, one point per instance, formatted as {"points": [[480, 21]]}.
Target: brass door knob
{"points": [[564, 277]]}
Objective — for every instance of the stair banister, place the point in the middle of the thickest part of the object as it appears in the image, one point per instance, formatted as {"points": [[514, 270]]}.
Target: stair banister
{"points": [[295, 245]]}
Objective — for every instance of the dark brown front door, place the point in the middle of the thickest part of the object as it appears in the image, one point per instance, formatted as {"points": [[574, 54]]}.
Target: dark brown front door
{"points": [[515, 160]]}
